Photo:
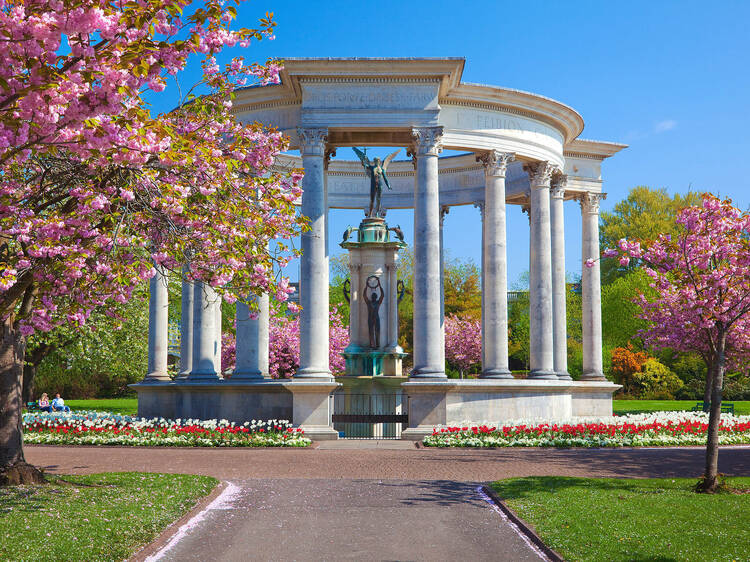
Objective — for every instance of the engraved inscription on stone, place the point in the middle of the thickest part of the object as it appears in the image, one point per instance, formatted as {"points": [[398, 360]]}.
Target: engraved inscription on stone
{"points": [[369, 96], [473, 119]]}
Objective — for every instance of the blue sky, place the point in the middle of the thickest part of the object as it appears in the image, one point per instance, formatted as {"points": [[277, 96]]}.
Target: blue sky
{"points": [[671, 79]]}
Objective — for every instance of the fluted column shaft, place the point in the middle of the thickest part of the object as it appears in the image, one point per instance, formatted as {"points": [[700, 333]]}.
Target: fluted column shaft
{"points": [[591, 289], [429, 354], [251, 352], [314, 337], [206, 343], [186, 325], [559, 291], [158, 327], [541, 360], [494, 268]]}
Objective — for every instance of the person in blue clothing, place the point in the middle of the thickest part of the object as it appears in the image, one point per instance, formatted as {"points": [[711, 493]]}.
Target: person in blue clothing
{"points": [[44, 405], [58, 404]]}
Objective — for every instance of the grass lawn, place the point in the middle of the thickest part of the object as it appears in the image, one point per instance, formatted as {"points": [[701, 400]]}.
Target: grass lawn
{"points": [[130, 405], [95, 517], [741, 408], [617, 519], [126, 406]]}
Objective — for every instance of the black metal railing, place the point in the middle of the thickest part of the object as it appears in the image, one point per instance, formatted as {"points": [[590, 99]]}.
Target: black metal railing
{"points": [[370, 416]]}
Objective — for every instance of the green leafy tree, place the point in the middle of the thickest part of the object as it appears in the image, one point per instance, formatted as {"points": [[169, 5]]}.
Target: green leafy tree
{"points": [[620, 313], [643, 215]]}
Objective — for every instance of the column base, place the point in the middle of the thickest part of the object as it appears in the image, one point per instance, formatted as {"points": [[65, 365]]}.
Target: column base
{"points": [[496, 374], [428, 374], [313, 373], [595, 376], [564, 376], [156, 377], [543, 374], [203, 377], [247, 376]]}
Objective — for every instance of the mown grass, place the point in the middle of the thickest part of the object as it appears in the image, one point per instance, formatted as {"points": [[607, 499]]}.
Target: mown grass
{"points": [[124, 406], [621, 407], [616, 519], [95, 517], [129, 406]]}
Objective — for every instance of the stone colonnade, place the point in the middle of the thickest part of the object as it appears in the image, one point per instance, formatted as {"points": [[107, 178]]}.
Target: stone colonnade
{"points": [[201, 311]]}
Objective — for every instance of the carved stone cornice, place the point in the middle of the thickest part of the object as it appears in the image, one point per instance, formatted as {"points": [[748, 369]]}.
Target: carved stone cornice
{"points": [[557, 186], [590, 202], [495, 162], [428, 141], [329, 153], [410, 153], [444, 210], [312, 141], [540, 173], [527, 210], [480, 205]]}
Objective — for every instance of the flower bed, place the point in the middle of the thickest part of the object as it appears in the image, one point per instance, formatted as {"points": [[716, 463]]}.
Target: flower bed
{"points": [[663, 429], [100, 428]]}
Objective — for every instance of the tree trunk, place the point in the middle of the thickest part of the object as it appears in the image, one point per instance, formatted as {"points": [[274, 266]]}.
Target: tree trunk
{"points": [[29, 374], [13, 466], [710, 480], [709, 384]]}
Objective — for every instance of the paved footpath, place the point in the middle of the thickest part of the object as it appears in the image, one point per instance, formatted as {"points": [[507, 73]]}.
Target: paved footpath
{"points": [[377, 461], [365, 500], [304, 519]]}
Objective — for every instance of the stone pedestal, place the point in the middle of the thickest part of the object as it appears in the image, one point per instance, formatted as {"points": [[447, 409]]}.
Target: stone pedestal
{"points": [[373, 261], [312, 407], [494, 401]]}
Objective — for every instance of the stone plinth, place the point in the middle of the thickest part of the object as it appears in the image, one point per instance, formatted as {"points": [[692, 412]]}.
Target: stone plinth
{"points": [[373, 255], [455, 402], [307, 404]]}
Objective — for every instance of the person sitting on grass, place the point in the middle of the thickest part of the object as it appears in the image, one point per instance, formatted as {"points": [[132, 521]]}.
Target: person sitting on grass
{"points": [[44, 404], [58, 404]]}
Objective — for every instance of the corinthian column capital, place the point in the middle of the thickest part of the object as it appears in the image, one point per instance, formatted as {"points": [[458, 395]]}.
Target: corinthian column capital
{"points": [[590, 202], [540, 173], [495, 162], [312, 141], [557, 185], [428, 141]]}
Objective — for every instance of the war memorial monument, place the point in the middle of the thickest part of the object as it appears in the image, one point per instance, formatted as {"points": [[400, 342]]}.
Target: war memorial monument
{"points": [[518, 149]]}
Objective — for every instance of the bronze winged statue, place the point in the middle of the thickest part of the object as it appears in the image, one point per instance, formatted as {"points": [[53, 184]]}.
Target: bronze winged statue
{"points": [[377, 172]]}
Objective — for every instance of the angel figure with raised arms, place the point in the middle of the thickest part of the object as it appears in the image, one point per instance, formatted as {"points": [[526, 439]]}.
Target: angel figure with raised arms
{"points": [[376, 170]]}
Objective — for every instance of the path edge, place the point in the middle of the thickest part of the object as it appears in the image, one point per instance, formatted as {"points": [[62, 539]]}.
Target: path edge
{"points": [[166, 535], [522, 525]]}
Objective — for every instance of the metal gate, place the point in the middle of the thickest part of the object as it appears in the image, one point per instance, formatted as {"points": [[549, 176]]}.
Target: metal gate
{"points": [[370, 416]]}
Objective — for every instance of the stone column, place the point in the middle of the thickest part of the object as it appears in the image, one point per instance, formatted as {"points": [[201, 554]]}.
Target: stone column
{"points": [[314, 262], [591, 289], [158, 327], [252, 341], [480, 205], [559, 288], [444, 210], [541, 360], [186, 325], [206, 345], [429, 354], [355, 303], [494, 268], [392, 268]]}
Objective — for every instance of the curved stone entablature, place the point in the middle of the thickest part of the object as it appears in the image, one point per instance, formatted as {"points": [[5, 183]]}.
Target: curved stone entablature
{"points": [[377, 102]]}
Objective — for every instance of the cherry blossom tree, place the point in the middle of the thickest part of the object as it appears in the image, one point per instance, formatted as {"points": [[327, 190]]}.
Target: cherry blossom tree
{"points": [[701, 278], [463, 342], [95, 193], [283, 344]]}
